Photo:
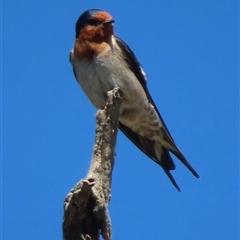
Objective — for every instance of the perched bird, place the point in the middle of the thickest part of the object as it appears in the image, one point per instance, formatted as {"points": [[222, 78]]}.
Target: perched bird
{"points": [[102, 61]]}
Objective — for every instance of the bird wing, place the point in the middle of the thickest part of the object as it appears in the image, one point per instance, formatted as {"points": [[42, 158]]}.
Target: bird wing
{"points": [[144, 144], [136, 68]]}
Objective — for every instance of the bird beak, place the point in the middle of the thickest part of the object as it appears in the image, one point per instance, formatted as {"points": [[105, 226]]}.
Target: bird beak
{"points": [[108, 21]]}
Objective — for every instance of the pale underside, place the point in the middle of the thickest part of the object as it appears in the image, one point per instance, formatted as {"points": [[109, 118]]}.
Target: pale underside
{"points": [[104, 73]]}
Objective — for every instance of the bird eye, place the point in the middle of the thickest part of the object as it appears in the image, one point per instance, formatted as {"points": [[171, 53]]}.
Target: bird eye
{"points": [[93, 22]]}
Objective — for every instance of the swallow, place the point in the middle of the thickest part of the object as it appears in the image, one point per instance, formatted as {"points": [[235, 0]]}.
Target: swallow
{"points": [[102, 61]]}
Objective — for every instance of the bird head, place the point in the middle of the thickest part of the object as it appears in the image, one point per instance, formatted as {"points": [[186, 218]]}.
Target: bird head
{"points": [[94, 25]]}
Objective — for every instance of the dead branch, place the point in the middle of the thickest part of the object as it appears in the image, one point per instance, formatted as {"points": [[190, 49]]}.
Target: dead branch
{"points": [[85, 207]]}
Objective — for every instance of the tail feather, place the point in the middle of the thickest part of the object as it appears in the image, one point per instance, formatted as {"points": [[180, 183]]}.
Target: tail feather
{"points": [[167, 164], [170, 145], [172, 179], [162, 156], [180, 156], [159, 151]]}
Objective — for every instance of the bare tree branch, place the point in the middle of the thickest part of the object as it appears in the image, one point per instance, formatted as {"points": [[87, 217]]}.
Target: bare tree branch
{"points": [[85, 207]]}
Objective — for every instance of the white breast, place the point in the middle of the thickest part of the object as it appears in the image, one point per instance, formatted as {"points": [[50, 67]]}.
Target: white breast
{"points": [[93, 79]]}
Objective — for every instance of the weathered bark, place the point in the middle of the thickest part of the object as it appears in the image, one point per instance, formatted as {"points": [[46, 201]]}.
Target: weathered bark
{"points": [[85, 207]]}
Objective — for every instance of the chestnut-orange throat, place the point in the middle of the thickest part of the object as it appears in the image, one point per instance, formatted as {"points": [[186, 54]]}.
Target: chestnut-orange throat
{"points": [[93, 40]]}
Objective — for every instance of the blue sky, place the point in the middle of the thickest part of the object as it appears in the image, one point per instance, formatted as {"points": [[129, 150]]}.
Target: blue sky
{"points": [[189, 50]]}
